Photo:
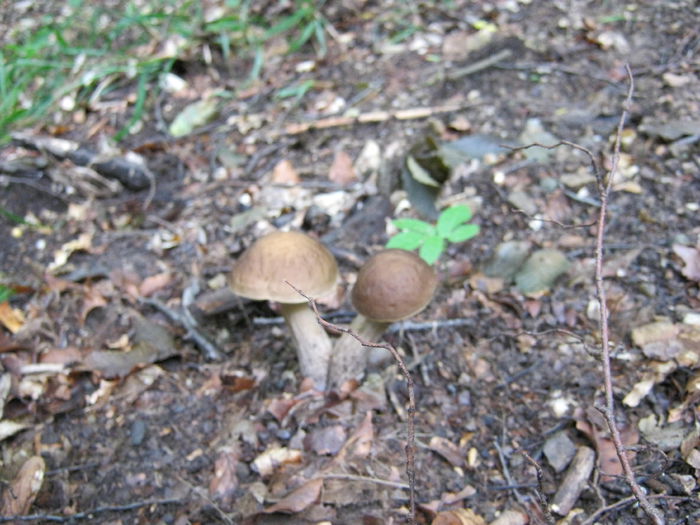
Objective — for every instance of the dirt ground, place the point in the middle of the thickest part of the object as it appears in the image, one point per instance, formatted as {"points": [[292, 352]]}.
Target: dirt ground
{"points": [[506, 392]]}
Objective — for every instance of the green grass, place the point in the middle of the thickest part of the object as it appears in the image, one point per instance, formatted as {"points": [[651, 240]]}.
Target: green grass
{"points": [[88, 51]]}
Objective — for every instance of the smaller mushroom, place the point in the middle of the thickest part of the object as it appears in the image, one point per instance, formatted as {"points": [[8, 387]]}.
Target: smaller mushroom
{"points": [[260, 274], [393, 285]]}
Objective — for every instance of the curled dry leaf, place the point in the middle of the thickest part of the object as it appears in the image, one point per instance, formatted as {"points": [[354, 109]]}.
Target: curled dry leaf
{"points": [[270, 460], [458, 517], [11, 318], [447, 450], [24, 488], [298, 499]]}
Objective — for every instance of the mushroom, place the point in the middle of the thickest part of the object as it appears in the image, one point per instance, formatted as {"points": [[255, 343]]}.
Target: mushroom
{"points": [[260, 274], [391, 286]]}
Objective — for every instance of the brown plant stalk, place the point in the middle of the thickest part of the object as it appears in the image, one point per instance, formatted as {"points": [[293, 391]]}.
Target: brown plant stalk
{"points": [[609, 407]]}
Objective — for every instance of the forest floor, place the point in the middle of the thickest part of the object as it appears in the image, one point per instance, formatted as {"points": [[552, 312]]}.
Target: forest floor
{"points": [[104, 378]]}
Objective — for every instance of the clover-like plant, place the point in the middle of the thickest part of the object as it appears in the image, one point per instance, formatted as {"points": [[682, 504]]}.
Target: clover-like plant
{"points": [[431, 239]]}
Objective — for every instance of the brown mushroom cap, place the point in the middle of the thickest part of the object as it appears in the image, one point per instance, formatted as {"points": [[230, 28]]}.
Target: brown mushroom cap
{"points": [[393, 285], [260, 273]]}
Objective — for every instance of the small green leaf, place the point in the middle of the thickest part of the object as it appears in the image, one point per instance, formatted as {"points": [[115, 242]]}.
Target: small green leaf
{"points": [[463, 233], [406, 241], [432, 249], [414, 225], [452, 217]]}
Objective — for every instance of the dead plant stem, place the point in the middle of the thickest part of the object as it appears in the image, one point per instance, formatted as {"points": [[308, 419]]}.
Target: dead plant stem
{"points": [[609, 408]]}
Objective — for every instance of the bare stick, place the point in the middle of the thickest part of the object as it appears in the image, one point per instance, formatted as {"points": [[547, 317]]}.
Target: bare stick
{"points": [[604, 187], [609, 409], [88, 514], [411, 433]]}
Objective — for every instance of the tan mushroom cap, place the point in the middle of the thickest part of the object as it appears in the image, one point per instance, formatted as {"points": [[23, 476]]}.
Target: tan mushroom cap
{"points": [[393, 285], [260, 273]]}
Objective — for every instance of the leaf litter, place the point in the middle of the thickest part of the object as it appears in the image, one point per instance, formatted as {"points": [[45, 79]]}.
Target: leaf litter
{"points": [[160, 420]]}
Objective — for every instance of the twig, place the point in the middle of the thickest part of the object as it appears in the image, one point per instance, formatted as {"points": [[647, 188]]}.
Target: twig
{"points": [[186, 321], [506, 472], [376, 481], [604, 187], [609, 409], [411, 437], [88, 514], [539, 491], [593, 518]]}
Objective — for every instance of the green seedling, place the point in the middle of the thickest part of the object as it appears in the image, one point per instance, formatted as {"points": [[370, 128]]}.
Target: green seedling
{"points": [[5, 293], [431, 239]]}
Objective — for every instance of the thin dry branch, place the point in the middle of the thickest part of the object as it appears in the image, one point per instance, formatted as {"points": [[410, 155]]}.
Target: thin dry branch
{"points": [[609, 408], [411, 431], [604, 185]]}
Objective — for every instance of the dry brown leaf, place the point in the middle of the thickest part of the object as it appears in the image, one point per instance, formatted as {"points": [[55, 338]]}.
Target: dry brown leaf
{"points": [[326, 441], [359, 444], [154, 283], [284, 173], [342, 171], [24, 488], [447, 450], [11, 318], [691, 259], [593, 425], [223, 485], [458, 517], [298, 499]]}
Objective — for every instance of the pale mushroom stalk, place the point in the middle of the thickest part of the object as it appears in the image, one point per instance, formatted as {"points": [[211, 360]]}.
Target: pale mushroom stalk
{"points": [[312, 342], [391, 286], [349, 359]]}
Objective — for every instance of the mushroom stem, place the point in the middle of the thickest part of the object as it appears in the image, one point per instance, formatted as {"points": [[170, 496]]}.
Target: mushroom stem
{"points": [[349, 359], [313, 343]]}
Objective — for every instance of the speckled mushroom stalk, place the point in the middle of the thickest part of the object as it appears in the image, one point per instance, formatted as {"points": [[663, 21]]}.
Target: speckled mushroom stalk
{"points": [[262, 273], [392, 285]]}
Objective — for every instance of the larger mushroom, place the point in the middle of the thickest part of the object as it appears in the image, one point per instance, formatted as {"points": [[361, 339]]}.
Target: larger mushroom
{"points": [[260, 274], [393, 285]]}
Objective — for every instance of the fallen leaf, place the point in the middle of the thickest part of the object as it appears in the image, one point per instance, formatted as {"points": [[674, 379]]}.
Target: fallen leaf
{"points": [[540, 271], [11, 318], [342, 171], [458, 517], [270, 460], [61, 256], [447, 450], [223, 485], [359, 444], [511, 517], [298, 499], [592, 423], [193, 116], [327, 440], [151, 343], [284, 173], [691, 260], [10, 428], [24, 488], [154, 283]]}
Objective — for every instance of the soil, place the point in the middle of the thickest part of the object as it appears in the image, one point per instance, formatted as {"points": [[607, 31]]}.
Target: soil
{"points": [[178, 438]]}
